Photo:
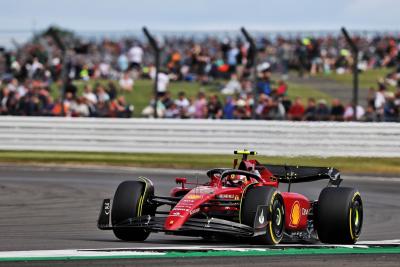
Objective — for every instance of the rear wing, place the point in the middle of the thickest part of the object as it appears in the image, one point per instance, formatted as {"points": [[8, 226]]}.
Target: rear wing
{"points": [[299, 174]]}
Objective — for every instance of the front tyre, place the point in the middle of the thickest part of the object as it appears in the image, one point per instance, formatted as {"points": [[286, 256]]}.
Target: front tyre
{"points": [[130, 201], [266, 196], [339, 215]]}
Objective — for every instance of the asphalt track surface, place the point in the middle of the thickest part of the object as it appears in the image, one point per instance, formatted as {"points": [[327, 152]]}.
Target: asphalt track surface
{"points": [[388, 260], [56, 207]]}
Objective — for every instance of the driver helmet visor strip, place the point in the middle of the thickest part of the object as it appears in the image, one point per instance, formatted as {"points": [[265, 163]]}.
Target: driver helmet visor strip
{"points": [[235, 178]]}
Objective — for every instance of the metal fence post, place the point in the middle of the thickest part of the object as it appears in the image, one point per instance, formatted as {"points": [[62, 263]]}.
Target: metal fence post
{"points": [[354, 50], [253, 48], [156, 49]]}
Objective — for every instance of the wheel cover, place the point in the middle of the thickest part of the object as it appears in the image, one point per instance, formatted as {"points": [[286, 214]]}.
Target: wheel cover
{"points": [[277, 219], [356, 217]]}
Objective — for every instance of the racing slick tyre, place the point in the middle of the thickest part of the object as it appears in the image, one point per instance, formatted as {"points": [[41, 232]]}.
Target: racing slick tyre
{"points": [[267, 196], [339, 215], [130, 201]]}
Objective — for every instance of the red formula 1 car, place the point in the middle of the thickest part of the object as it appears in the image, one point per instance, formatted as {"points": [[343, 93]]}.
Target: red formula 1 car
{"points": [[242, 202]]}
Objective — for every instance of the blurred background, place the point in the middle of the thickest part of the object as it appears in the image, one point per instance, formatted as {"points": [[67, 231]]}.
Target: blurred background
{"points": [[300, 66]]}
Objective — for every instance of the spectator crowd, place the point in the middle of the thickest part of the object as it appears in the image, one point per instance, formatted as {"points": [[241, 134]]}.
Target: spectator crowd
{"points": [[382, 106], [33, 73]]}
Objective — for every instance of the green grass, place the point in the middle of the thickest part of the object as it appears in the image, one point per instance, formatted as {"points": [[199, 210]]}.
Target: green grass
{"points": [[297, 90], [193, 161], [367, 79], [176, 254], [143, 91]]}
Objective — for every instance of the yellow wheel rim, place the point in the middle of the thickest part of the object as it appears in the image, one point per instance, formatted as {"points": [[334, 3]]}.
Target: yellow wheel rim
{"points": [[356, 221], [279, 217]]}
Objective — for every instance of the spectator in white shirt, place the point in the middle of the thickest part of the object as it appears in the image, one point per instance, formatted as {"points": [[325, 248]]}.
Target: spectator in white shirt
{"points": [[233, 86], [182, 102], [349, 112], [135, 56], [380, 99], [163, 81], [126, 82], [89, 95], [379, 102]]}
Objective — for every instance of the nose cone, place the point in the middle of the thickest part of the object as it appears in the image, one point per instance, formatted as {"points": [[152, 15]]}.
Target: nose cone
{"points": [[176, 220], [185, 208]]}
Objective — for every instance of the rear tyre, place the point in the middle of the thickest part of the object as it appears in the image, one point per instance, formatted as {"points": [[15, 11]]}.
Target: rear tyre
{"points": [[261, 195], [339, 215], [130, 201]]}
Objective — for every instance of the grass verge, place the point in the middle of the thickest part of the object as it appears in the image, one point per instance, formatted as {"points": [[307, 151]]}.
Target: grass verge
{"points": [[213, 253], [194, 161], [297, 90], [367, 78]]}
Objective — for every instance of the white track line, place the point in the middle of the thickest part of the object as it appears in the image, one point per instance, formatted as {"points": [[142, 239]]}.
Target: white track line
{"points": [[157, 251], [74, 253], [381, 242]]}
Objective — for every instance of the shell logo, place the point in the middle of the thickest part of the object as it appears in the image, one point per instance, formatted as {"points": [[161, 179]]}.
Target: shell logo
{"points": [[193, 196], [295, 214]]}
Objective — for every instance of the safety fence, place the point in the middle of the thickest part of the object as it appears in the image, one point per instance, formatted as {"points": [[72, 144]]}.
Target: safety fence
{"points": [[275, 138]]}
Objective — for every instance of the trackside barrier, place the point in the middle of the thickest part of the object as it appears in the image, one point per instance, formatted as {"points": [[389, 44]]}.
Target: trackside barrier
{"points": [[274, 138]]}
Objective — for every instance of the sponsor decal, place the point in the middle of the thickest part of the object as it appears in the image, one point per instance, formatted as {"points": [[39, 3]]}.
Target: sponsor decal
{"points": [[184, 206], [204, 190], [193, 196], [261, 217], [177, 215], [180, 209], [295, 214], [107, 208], [194, 211], [304, 211], [228, 196]]}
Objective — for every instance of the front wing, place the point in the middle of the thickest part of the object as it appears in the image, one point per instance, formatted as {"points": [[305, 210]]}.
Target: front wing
{"points": [[192, 227]]}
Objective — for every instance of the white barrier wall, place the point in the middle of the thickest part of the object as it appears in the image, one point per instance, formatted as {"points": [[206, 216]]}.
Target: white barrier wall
{"points": [[200, 136]]}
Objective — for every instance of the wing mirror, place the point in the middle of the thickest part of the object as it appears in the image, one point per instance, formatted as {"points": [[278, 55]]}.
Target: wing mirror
{"points": [[181, 180]]}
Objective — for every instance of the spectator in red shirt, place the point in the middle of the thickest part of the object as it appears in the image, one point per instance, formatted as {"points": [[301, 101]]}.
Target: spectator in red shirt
{"points": [[282, 88], [296, 111]]}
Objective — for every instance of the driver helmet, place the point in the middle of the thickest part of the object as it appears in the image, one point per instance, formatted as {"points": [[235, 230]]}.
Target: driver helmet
{"points": [[256, 172], [237, 179]]}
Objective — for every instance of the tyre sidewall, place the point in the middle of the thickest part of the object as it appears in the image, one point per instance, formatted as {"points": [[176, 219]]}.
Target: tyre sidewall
{"points": [[333, 222], [130, 201], [253, 197]]}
